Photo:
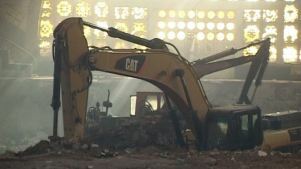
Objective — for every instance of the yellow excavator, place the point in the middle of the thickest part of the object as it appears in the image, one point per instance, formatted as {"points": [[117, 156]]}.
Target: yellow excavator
{"points": [[230, 127]]}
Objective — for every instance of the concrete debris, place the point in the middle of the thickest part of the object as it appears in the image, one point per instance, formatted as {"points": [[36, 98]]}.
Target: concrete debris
{"points": [[85, 146], [164, 155], [94, 145], [237, 152], [210, 161], [106, 153], [131, 132], [129, 150], [149, 157], [90, 167], [285, 154], [262, 153], [40, 148], [76, 146], [242, 166], [214, 153], [181, 160], [8, 155]]}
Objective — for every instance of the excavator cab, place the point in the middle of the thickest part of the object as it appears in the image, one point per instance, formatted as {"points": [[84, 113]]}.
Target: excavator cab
{"points": [[234, 127]]}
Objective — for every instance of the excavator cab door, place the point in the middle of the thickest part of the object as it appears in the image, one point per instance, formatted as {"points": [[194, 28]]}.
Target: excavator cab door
{"points": [[234, 128], [245, 130]]}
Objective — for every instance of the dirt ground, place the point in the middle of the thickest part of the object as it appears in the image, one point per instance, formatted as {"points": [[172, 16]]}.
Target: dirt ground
{"points": [[92, 156]]}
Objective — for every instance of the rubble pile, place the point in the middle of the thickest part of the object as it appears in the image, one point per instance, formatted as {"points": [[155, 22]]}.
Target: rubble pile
{"points": [[67, 155], [127, 132], [125, 143]]}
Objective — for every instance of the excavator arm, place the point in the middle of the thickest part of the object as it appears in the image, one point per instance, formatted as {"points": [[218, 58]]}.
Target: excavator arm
{"points": [[257, 68], [169, 72]]}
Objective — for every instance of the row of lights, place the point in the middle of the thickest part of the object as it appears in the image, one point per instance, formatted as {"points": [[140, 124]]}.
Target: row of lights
{"points": [[188, 24], [191, 14], [290, 53], [193, 25], [210, 36], [101, 9], [269, 15]]}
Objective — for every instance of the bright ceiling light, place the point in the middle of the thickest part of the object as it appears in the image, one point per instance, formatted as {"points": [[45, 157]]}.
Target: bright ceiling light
{"points": [[201, 25], [211, 14], [220, 26], [270, 15], [290, 33], [271, 32], [210, 36], [250, 51], [122, 12], [273, 54], [83, 9], [171, 24], [290, 13], [201, 14], [230, 26], [210, 25], [101, 9], [161, 24], [252, 15], [231, 15], [161, 35], [162, 14], [172, 13], [181, 25], [230, 36], [181, 35], [190, 25], [191, 14], [171, 35], [139, 13], [46, 28], [251, 33], [182, 14], [64, 8], [200, 36], [220, 36], [221, 14], [290, 55]]}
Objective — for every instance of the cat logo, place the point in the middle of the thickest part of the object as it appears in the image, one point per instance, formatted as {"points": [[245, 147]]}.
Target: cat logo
{"points": [[131, 63]]}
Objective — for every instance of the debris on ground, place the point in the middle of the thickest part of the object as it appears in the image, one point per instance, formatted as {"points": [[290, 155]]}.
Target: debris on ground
{"points": [[40, 148], [140, 146], [88, 156], [262, 153]]}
